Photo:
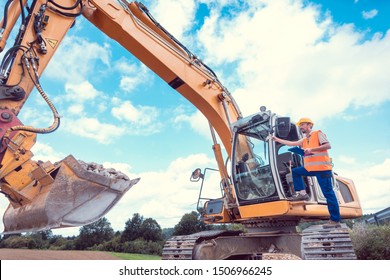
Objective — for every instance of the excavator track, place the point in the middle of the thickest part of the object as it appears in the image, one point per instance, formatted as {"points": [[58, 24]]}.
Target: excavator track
{"points": [[181, 247], [315, 243], [319, 243], [225, 245]]}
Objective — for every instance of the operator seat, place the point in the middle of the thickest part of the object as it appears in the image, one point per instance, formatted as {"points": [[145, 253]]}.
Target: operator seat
{"points": [[283, 171], [284, 157]]}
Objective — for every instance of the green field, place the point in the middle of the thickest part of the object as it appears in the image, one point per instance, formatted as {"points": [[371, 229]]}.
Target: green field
{"points": [[126, 256]]}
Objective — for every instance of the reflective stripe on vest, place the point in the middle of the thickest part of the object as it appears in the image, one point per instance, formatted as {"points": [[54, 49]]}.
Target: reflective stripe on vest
{"points": [[318, 161]]}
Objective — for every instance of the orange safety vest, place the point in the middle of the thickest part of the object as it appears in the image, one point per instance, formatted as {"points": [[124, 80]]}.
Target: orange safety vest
{"points": [[318, 161]]}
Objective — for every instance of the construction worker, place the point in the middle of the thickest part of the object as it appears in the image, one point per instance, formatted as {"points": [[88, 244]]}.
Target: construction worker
{"points": [[316, 163]]}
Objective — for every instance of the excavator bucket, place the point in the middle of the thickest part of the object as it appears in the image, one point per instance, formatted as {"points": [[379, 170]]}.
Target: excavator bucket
{"points": [[76, 197]]}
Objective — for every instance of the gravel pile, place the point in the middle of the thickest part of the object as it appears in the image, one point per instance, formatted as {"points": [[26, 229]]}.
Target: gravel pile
{"points": [[106, 172], [280, 256]]}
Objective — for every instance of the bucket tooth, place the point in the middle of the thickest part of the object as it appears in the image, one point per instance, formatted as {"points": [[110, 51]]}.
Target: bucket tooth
{"points": [[76, 197]]}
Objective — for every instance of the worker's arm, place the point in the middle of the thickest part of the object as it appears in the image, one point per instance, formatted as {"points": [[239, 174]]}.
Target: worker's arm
{"points": [[286, 142], [322, 147]]}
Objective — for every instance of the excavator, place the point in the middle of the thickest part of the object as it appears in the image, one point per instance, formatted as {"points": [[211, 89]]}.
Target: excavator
{"points": [[256, 180]]}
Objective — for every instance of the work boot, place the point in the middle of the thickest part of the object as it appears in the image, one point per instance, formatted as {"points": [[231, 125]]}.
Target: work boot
{"points": [[331, 224], [299, 196]]}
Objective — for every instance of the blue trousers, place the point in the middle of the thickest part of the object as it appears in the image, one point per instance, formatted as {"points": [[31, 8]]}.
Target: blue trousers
{"points": [[324, 179]]}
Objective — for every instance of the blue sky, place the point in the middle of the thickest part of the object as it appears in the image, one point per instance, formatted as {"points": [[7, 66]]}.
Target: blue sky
{"points": [[328, 60]]}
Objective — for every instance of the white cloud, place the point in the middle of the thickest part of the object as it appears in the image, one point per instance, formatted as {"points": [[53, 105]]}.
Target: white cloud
{"points": [[82, 98], [76, 109], [45, 152], [92, 128], [164, 195], [346, 159], [81, 92], [40, 116], [132, 75], [142, 119], [126, 111], [176, 16], [197, 121], [370, 14], [372, 182], [381, 171], [76, 60], [289, 56]]}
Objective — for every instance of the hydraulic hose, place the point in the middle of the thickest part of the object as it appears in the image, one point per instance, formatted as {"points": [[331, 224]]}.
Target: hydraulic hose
{"points": [[6, 14], [60, 7], [56, 121], [50, 129]]}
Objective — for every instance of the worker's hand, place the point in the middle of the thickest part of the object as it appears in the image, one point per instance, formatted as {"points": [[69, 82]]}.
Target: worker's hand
{"points": [[308, 152], [274, 138]]}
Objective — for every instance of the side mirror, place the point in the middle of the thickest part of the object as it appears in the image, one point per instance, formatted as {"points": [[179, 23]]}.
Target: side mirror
{"points": [[196, 175], [283, 127]]}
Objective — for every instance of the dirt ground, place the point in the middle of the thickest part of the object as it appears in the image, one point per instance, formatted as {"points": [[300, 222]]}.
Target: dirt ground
{"points": [[25, 254]]}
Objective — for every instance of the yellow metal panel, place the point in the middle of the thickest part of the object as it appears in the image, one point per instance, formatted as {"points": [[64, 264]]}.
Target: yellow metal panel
{"points": [[275, 208], [20, 179]]}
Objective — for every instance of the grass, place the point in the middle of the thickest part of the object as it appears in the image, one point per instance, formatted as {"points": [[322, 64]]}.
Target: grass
{"points": [[126, 256]]}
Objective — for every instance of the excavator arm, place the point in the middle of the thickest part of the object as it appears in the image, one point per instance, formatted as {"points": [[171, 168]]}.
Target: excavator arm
{"points": [[46, 195], [131, 25]]}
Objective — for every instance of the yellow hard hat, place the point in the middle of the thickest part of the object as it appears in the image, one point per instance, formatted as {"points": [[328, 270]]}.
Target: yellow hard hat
{"points": [[304, 120]]}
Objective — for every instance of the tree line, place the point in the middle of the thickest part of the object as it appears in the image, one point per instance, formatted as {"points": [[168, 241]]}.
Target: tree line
{"points": [[140, 235], [145, 236]]}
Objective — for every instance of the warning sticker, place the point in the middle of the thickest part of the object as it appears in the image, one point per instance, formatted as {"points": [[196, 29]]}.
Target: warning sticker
{"points": [[52, 42]]}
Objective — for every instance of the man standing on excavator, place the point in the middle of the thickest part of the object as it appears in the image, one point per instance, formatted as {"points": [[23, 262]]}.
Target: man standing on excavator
{"points": [[316, 163]]}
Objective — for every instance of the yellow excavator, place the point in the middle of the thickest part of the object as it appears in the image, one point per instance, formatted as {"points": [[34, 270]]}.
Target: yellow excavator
{"points": [[254, 189]]}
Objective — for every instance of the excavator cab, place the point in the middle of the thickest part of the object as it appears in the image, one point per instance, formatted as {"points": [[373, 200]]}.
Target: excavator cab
{"points": [[260, 168], [261, 172], [256, 167]]}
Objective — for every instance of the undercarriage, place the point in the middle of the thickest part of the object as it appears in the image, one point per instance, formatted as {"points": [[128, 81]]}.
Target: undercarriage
{"points": [[314, 243]]}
